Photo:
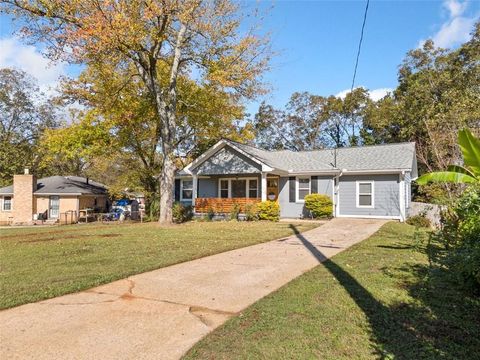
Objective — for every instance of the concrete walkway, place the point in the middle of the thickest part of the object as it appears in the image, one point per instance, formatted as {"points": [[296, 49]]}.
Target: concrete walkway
{"points": [[162, 313]]}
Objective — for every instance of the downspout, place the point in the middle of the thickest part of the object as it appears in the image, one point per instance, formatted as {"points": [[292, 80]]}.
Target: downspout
{"points": [[336, 195]]}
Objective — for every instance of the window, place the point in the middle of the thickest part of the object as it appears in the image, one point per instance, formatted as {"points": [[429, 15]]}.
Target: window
{"points": [[7, 203], [224, 189], [187, 190], [252, 188], [303, 188], [238, 188], [365, 194]]}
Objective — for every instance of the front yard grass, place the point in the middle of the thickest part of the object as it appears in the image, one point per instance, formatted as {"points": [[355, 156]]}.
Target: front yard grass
{"points": [[376, 300], [40, 263]]}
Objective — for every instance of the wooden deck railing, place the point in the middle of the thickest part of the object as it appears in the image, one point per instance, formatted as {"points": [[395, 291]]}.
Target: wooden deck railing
{"points": [[221, 205]]}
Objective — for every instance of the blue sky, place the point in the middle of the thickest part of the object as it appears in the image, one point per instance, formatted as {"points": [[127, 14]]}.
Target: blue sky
{"points": [[317, 43]]}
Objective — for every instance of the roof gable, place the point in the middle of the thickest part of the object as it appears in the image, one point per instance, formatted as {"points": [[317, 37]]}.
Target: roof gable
{"points": [[227, 161]]}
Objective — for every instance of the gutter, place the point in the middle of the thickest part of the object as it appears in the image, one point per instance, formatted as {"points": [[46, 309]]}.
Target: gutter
{"points": [[367, 172], [60, 194]]}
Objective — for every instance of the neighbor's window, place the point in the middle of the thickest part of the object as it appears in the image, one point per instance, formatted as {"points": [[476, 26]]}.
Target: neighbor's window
{"points": [[365, 194], [7, 203], [303, 188], [224, 189], [253, 188], [187, 189]]}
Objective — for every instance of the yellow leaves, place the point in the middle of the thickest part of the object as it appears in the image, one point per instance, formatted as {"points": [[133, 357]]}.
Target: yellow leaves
{"points": [[82, 139]]}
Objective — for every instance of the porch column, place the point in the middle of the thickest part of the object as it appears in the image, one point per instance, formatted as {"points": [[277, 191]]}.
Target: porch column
{"points": [[194, 189], [264, 186]]}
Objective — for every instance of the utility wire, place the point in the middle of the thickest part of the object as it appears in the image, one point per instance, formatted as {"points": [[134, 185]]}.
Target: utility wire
{"points": [[360, 44]]}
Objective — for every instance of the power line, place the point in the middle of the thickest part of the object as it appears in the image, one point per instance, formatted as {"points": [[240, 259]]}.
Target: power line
{"points": [[360, 44]]}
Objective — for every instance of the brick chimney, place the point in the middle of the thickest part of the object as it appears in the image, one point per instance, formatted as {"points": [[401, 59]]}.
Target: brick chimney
{"points": [[23, 202]]}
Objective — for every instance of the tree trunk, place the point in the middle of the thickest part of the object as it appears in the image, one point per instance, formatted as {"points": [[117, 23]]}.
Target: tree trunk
{"points": [[167, 184]]}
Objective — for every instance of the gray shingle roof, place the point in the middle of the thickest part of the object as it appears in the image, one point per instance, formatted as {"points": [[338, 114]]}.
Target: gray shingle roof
{"points": [[374, 157], [64, 185]]}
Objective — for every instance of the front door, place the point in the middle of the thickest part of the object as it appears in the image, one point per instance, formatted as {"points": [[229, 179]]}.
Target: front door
{"points": [[272, 188], [54, 207]]}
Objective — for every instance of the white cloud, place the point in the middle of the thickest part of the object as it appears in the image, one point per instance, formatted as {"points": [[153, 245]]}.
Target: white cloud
{"points": [[342, 93], [453, 32], [375, 94], [14, 53], [378, 94], [456, 29], [454, 7]]}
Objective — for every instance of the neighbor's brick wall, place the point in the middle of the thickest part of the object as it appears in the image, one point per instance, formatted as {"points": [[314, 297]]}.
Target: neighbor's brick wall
{"points": [[23, 207], [41, 204], [68, 203], [89, 202]]}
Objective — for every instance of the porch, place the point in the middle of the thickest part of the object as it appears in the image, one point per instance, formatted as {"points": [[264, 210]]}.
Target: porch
{"points": [[222, 194], [223, 205]]}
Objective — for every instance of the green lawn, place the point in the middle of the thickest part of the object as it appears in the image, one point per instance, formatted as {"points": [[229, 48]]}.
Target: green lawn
{"points": [[373, 301], [40, 263]]}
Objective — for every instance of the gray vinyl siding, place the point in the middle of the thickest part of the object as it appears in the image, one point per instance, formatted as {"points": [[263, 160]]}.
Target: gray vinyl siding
{"points": [[386, 195], [325, 185], [207, 188], [297, 209], [227, 161]]}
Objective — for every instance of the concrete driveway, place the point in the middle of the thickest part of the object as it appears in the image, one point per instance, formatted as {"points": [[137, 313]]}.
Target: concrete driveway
{"points": [[162, 313]]}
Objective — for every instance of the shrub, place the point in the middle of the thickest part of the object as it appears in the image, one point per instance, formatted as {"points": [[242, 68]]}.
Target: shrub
{"points": [[268, 210], [460, 237], [432, 193], [181, 213], [210, 214], [419, 221], [319, 205], [235, 211], [251, 212]]}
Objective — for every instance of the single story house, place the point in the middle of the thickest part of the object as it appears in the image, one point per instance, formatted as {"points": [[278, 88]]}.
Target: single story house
{"points": [[57, 198], [366, 181]]}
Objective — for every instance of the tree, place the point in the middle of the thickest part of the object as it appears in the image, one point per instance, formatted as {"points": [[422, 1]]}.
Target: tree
{"points": [[24, 114], [200, 39], [312, 122], [438, 95], [117, 130], [469, 173]]}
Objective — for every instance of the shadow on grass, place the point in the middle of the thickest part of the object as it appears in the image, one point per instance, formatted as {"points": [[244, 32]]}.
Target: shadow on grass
{"points": [[440, 323]]}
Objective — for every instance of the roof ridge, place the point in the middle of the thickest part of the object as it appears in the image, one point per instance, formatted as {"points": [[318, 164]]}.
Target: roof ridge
{"points": [[324, 149]]}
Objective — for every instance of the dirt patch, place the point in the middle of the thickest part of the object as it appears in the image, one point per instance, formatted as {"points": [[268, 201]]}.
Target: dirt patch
{"points": [[37, 239], [65, 229]]}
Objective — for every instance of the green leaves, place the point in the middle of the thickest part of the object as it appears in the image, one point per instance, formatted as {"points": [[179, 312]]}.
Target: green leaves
{"points": [[25, 113], [445, 176], [470, 146]]}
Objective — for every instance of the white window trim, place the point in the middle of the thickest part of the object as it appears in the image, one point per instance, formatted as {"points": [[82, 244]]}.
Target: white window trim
{"points": [[247, 186], [297, 199], [3, 203], [357, 194], [181, 190]]}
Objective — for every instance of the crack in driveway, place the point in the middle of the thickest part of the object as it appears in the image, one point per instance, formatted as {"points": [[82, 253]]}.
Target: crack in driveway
{"points": [[202, 313]]}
